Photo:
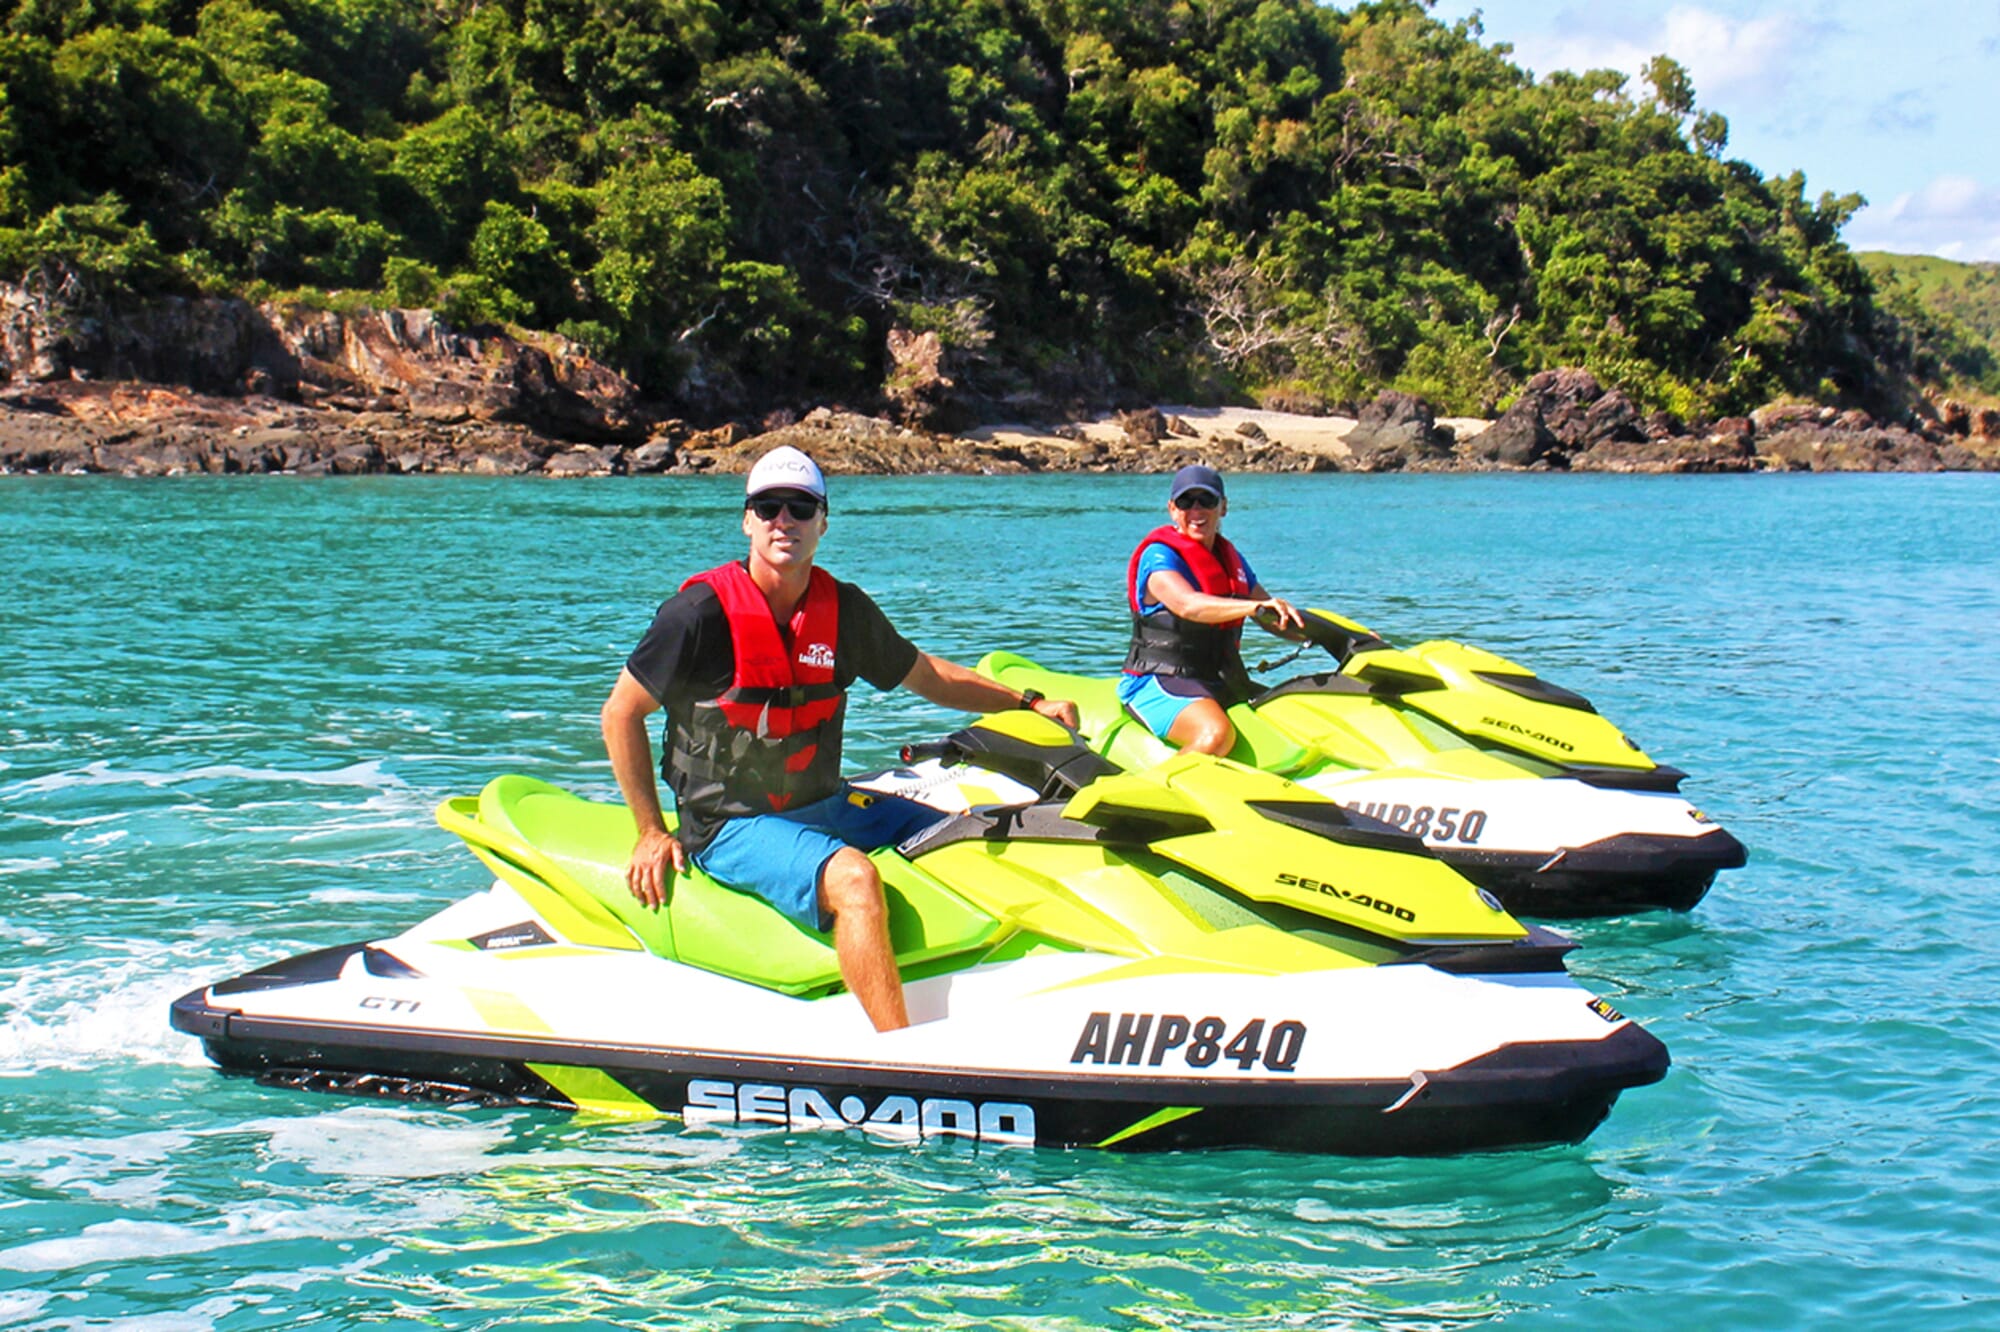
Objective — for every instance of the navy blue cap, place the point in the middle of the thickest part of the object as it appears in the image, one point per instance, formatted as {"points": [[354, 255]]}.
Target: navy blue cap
{"points": [[1196, 476]]}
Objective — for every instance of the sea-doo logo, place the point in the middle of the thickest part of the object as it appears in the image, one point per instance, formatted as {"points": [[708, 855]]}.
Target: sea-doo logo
{"points": [[1433, 825], [1604, 1010], [1499, 725], [1200, 1042], [818, 654], [1403, 914], [710, 1101]]}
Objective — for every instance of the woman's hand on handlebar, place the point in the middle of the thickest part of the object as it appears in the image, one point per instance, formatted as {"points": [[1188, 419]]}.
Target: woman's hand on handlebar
{"points": [[1277, 615]]}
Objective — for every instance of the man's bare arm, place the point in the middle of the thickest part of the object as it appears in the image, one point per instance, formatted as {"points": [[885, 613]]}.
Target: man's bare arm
{"points": [[623, 721], [950, 685]]}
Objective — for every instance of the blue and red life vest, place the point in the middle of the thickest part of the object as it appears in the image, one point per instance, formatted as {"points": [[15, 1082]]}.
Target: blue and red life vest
{"points": [[1165, 644]]}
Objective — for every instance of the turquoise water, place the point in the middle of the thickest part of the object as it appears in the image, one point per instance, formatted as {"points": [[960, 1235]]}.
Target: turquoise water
{"points": [[228, 706]]}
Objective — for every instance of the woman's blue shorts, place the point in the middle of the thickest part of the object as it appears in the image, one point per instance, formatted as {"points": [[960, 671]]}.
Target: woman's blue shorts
{"points": [[1159, 700]]}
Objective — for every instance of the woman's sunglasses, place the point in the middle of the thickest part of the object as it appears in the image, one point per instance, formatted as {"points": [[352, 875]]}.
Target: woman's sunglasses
{"points": [[1195, 499], [802, 510]]}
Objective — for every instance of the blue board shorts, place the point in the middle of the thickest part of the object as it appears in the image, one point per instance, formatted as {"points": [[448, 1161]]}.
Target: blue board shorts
{"points": [[779, 857], [1159, 700]]}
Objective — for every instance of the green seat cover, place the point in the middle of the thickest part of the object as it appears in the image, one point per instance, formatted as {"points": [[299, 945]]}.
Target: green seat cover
{"points": [[1125, 741], [542, 839]]}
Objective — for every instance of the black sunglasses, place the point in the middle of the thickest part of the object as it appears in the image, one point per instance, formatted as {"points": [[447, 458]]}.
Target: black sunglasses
{"points": [[802, 510], [1195, 499]]}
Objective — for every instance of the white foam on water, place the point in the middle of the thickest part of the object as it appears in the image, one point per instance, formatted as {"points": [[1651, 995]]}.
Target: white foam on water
{"points": [[387, 856], [95, 1166], [29, 864], [312, 1276], [369, 773], [18, 1306], [95, 1012], [353, 896], [53, 821], [208, 1314], [124, 1241], [379, 1142], [26, 935]]}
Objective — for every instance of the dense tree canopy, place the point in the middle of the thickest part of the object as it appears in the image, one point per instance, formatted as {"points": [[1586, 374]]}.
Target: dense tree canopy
{"points": [[1090, 197]]}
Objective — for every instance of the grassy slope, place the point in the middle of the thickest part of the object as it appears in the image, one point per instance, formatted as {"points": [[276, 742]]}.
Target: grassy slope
{"points": [[1969, 293]]}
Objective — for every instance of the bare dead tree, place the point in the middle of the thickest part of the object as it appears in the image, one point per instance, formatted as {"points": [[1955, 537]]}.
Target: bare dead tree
{"points": [[1240, 313], [1497, 329]]}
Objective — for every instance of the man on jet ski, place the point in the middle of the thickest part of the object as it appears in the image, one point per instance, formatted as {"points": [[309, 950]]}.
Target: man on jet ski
{"points": [[1189, 591], [752, 662]]}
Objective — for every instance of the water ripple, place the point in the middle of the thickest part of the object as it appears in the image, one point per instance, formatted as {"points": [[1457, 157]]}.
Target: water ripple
{"points": [[227, 711]]}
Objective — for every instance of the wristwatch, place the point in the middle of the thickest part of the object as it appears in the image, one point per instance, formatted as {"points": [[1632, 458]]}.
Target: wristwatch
{"points": [[1029, 697]]}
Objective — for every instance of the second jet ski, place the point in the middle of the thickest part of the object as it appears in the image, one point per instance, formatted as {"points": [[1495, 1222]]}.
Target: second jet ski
{"points": [[1519, 784]]}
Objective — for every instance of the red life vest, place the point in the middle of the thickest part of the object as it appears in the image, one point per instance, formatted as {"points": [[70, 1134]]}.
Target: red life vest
{"points": [[1165, 644], [1219, 572], [771, 740]]}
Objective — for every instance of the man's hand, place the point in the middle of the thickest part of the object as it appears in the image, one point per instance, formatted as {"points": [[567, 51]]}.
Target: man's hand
{"points": [[1059, 709], [646, 873]]}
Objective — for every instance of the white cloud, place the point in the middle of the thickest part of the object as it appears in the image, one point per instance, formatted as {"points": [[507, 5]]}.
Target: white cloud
{"points": [[1911, 111], [1954, 216], [1947, 198], [1732, 61], [1730, 58], [1545, 52]]}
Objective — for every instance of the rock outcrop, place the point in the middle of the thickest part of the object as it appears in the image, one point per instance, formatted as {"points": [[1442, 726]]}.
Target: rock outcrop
{"points": [[1560, 415], [215, 386], [405, 361], [1397, 431]]}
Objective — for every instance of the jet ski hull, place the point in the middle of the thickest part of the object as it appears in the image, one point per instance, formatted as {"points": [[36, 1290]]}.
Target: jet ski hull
{"points": [[1552, 847], [1547, 839], [1519, 1096], [1544, 847], [1063, 1050], [1615, 877]]}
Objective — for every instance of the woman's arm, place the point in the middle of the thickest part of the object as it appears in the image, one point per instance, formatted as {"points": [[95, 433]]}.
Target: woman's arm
{"points": [[1178, 595]]}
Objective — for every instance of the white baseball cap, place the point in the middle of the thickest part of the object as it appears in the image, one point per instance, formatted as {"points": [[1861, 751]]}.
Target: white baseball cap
{"points": [[785, 468]]}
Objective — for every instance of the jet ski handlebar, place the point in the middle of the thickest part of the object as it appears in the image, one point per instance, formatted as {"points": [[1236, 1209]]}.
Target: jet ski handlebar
{"points": [[1321, 630], [1050, 757], [944, 751]]}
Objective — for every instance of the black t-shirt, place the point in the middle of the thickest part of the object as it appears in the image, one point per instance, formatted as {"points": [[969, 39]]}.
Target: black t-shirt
{"points": [[686, 656]]}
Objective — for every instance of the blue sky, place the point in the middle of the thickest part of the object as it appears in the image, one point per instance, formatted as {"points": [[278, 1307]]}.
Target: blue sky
{"points": [[1896, 100]]}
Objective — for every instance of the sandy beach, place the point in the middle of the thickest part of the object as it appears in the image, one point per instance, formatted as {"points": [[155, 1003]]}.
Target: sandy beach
{"points": [[1323, 435]]}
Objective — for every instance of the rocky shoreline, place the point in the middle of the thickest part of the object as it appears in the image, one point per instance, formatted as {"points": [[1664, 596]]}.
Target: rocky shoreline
{"points": [[223, 387]]}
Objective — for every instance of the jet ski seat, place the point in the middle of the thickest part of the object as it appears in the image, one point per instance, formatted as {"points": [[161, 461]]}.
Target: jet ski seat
{"points": [[566, 856], [1126, 741]]}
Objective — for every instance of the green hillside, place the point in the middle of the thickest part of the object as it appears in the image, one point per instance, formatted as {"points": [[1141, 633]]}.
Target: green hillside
{"points": [[737, 203], [1949, 310]]}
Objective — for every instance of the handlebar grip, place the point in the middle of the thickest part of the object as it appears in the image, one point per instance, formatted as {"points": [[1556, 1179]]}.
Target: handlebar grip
{"points": [[930, 749], [1267, 619]]}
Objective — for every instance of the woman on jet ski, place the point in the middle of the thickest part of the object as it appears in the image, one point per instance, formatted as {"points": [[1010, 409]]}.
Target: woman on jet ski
{"points": [[1189, 591]]}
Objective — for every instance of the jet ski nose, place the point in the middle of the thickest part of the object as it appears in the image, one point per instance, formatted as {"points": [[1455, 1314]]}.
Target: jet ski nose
{"points": [[1725, 850]]}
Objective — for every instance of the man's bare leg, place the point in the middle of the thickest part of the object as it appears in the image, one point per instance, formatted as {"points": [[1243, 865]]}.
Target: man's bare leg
{"points": [[851, 890]]}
